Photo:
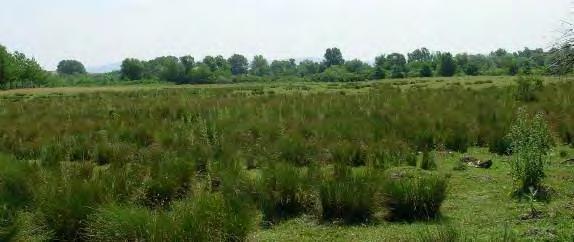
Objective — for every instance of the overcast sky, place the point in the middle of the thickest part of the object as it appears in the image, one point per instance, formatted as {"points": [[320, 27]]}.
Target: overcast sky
{"points": [[100, 32]]}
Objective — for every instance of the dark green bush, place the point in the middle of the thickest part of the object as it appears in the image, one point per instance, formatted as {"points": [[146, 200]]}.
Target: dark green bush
{"points": [[413, 194]]}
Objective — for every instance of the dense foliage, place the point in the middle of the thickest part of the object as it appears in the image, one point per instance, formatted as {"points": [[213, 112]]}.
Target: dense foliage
{"points": [[419, 63], [71, 67], [17, 70]]}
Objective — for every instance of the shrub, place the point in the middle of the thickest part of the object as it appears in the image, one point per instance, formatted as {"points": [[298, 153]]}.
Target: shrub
{"points": [[531, 141], [500, 146], [349, 196], [413, 194], [282, 192]]}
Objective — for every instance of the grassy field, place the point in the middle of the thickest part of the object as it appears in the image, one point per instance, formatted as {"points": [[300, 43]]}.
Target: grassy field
{"points": [[282, 87], [279, 162]]}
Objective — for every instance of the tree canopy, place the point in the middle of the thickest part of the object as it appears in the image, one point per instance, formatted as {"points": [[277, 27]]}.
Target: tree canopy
{"points": [[71, 67]]}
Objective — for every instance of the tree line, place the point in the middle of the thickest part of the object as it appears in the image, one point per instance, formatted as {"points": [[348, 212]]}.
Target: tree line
{"points": [[418, 63], [17, 70]]}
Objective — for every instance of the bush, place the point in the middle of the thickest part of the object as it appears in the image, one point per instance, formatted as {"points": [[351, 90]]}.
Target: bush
{"points": [[349, 196], [530, 142], [500, 146], [413, 194], [282, 192]]}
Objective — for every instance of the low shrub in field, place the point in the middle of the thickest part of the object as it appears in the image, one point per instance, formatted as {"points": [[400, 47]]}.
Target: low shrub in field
{"points": [[413, 194], [206, 217], [349, 196], [531, 141], [500, 146], [282, 192]]}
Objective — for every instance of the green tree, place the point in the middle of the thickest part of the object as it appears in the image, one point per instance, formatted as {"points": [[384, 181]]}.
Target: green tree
{"points": [[357, 66], [3, 65], [188, 62], [239, 64], [378, 73], [446, 65], [308, 67], [420, 55], [284, 67], [71, 67], [132, 69], [201, 73], [426, 70], [397, 65], [260, 66], [333, 56]]}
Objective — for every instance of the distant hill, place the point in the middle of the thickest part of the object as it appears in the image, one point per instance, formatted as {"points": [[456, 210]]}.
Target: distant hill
{"points": [[105, 68]]}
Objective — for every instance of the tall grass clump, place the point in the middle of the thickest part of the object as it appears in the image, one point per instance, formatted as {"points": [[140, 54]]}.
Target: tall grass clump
{"points": [[283, 191], [530, 143], [26, 226], [444, 233], [66, 198], [16, 189], [528, 88], [413, 194], [127, 223], [206, 217], [428, 162], [348, 196]]}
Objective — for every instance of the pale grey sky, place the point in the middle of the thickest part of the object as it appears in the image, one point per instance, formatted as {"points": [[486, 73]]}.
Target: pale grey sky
{"points": [[100, 32]]}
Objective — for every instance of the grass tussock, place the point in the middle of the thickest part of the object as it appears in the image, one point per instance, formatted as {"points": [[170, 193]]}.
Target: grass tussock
{"points": [[413, 194]]}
